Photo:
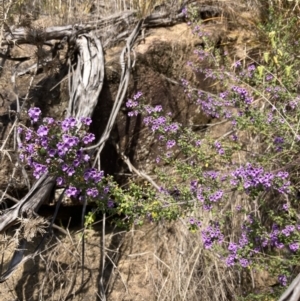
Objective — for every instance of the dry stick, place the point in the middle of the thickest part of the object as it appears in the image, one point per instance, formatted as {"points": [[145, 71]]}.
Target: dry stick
{"points": [[139, 173], [9, 197], [103, 255], [72, 283], [82, 239], [116, 258], [191, 274], [17, 139], [112, 262]]}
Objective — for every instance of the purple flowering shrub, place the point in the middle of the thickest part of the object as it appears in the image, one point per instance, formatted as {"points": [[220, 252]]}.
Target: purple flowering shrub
{"points": [[240, 189], [57, 148]]}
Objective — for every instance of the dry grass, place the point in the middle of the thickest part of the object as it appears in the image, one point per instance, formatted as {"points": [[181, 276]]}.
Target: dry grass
{"points": [[70, 11], [193, 271]]}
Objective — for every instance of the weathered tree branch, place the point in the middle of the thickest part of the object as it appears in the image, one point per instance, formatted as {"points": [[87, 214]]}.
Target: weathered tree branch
{"points": [[86, 80]]}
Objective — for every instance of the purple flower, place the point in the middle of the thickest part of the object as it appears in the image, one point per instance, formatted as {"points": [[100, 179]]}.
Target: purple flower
{"points": [[238, 208], [192, 221], [157, 108], [48, 120], [173, 127], [286, 232], [219, 148], [159, 121], [93, 192], [294, 246], [243, 241], [216, 196], [71, 141], [59, 181], [76, 162], [28, 135], [171, 143], [233, 247], [98, 176], [51, 152], [282, 280], [234, 137], [62, 148], [293, 104], [211, 174], [211, 234], [193, 185], [184, 11], [34, 114], [87, 175], [129, 103], [137, 95], [86, 158], [93, 174], [72, 191], [110, 203], [278, 141], [65, 125], [279, 245], [44, 142], [133, 113], [86, 120], [39, 170], [251, 68], [230, 260], [237, 64], [64, 167], [265, 241], [244, 262], [70, 171], [207, 207], [30, 149], [285, 207], [88, 138]]}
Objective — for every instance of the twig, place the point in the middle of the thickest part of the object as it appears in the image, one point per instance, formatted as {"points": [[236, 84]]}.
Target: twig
{"points": [[126, 288], [139, 173], [103, 254], [6, 195]]}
